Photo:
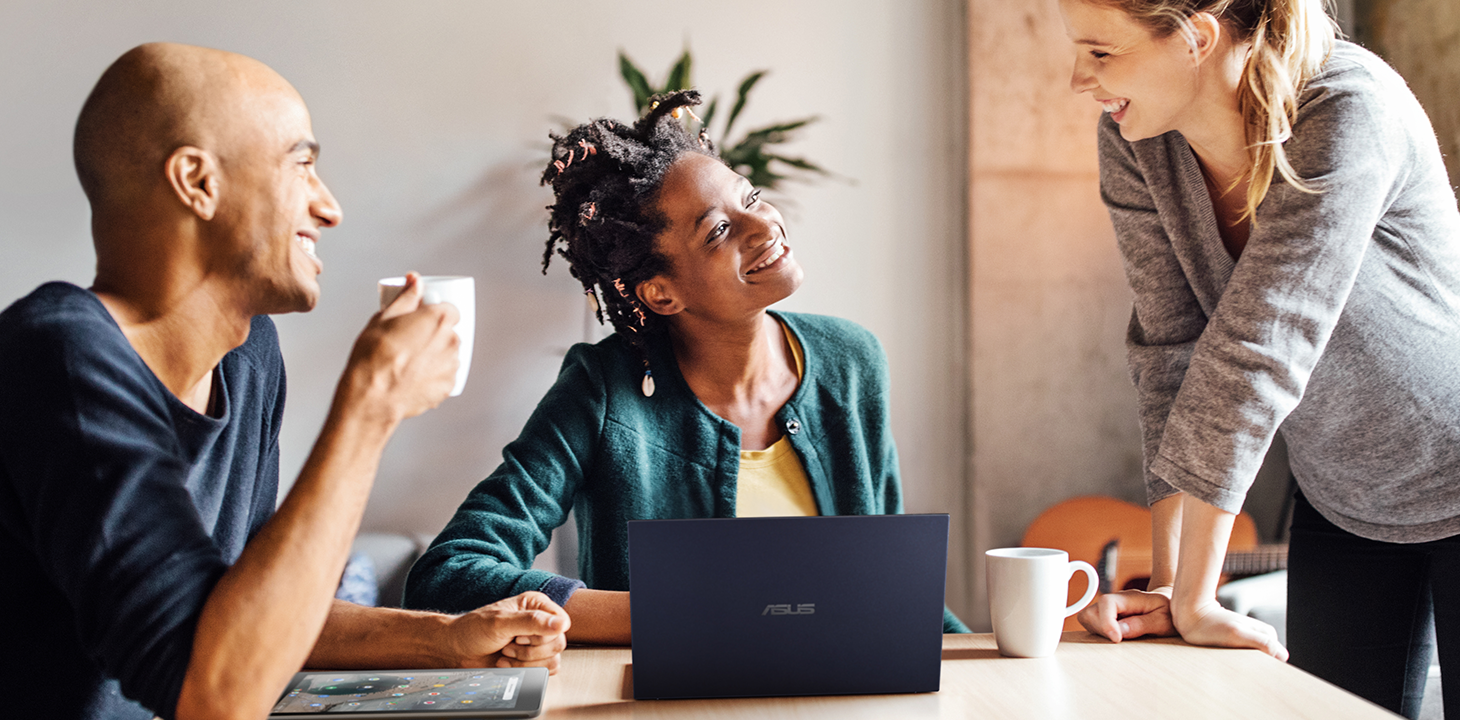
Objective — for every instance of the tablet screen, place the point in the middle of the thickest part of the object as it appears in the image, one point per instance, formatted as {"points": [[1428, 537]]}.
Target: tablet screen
{"points": [[476, 690]]}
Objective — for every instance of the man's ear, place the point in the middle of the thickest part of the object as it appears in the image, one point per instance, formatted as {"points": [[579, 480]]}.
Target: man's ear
{"points": [[193, 174], [1206, 29], [657, 294]]}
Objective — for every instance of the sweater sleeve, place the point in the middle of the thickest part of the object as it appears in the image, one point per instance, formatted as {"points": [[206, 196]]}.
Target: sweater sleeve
{"points": [[878, 418], [1166, 318], [485, 552], [102, 502], [1250, 367]]}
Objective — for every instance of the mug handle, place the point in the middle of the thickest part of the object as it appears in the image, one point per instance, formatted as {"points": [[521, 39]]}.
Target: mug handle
{"points": [[1084, 567]]}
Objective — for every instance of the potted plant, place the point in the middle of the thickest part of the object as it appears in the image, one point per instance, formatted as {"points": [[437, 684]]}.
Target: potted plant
{"points": [[754, 155]]}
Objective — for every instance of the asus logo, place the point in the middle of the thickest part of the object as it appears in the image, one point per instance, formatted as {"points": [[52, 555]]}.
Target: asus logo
{"points": [[785, 609]]}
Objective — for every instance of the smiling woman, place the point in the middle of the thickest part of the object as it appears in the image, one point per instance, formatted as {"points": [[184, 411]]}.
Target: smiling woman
{"points": [[703, 404], [1292, 242]]}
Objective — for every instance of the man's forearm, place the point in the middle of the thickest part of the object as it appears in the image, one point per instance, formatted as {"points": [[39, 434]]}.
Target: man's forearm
{"points": [[367, 637], [521, 631], [264, 616]]}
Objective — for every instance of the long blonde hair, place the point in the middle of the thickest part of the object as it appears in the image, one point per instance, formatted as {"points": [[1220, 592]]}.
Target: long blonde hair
{"points": [[1290, 41]]}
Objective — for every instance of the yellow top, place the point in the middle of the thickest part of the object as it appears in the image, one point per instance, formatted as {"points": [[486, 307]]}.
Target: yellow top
{"points": [[772, 482]]}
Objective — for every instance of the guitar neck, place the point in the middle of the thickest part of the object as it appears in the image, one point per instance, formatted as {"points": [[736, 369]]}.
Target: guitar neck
{"points": [[1261, 559], [1137, 563]]}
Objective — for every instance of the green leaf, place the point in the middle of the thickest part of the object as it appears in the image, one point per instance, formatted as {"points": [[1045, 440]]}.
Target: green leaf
{"points": [[741, 95], [736, 156], [750, 155], [771, 135], [799, 163], [709, 113], [634, 78], [765, 177], [780, 131], [756, 168], [679, 78]]}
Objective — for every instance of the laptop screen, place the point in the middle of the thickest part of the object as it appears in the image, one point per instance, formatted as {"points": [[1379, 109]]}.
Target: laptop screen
{"points": [[787, 606]]}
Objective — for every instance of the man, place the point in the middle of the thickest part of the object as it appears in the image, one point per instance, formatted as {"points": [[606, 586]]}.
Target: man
{"points": [[145, 568]]}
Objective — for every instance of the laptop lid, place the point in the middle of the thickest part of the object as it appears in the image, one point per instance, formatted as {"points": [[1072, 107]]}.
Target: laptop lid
{"points": [[787, 606]]}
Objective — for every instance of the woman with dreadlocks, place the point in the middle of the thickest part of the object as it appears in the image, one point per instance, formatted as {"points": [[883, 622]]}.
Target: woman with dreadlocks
{"points": [[703, 404]]}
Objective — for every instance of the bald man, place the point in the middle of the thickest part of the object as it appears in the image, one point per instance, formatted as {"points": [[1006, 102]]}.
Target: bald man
{"points": [[145, 568]]}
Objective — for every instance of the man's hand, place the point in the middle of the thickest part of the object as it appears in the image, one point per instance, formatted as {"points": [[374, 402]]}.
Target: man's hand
{"points": [[1211, 624], [404, 362], [523, 631], [1130, 614]]}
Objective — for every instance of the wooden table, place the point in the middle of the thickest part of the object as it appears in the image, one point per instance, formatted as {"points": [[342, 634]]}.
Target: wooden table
{"points": [[1087, 678]]}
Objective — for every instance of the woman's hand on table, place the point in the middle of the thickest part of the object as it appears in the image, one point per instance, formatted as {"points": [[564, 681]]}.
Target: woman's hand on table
{"points": [[528, 630], [1208, 623], [1130, 614]]}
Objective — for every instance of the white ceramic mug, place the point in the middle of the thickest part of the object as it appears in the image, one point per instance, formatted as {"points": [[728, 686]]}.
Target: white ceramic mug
{"points": [[459, 290], [1027, 592]]}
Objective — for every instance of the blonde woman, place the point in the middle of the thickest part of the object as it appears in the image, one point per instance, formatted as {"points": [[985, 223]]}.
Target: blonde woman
{"points": [[1293, 245]]}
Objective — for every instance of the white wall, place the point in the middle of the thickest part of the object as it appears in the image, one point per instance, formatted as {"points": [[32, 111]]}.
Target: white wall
{"points": [[1053, 411], [433, 117]]}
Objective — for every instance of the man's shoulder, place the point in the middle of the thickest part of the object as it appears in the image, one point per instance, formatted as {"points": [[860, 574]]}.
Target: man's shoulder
{"points": [[52, 302], [261, 349], [62, 354], [57, 316]]}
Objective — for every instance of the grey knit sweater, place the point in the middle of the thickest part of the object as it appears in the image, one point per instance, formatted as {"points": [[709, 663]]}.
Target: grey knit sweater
{"points": [[1340, 323]]}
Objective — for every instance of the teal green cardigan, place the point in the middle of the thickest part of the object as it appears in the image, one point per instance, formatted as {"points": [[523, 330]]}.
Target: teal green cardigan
{"points": [[596, 445]]}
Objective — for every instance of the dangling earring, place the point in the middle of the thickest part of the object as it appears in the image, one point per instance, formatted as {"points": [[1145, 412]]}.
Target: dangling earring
{"points": [[648, 384]]}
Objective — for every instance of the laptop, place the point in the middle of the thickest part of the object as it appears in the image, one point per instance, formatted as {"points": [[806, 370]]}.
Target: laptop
{"points": [[749, 607]]}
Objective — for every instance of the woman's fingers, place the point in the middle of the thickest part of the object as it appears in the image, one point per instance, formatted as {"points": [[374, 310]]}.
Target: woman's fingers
{"points": [[1155, 622], [1217, 626], [1260, 635], [1128, 614], [1102, 617]]}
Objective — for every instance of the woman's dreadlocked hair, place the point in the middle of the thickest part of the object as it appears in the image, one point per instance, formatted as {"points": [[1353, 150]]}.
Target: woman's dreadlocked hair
{"points": [[606, 178]]}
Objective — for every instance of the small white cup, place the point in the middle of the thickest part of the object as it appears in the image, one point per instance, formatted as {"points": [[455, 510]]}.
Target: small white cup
{"points": [[459, 290], [1027, 592]]}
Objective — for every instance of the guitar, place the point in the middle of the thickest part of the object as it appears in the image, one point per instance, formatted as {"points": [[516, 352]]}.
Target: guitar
{"points": [[1115, 537]]}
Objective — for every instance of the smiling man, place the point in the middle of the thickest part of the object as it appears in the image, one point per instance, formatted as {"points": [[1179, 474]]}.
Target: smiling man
{"points": [[146, 568]]}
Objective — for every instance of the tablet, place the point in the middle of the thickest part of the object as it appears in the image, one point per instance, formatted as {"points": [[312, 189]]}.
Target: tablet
{"points": [[416, 694]]}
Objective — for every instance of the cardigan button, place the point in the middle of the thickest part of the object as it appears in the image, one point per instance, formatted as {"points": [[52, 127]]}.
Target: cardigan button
{"points": [[793, 426]]}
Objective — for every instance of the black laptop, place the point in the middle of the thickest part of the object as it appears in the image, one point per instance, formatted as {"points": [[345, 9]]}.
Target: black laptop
{"points": [[750, 607]]}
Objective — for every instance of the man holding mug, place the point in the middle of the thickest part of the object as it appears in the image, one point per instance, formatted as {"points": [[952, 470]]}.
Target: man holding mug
{"points": [[147, 569]]}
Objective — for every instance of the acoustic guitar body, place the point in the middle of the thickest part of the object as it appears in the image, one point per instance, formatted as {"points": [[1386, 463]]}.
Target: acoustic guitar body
{"points": [[1085, 527]]}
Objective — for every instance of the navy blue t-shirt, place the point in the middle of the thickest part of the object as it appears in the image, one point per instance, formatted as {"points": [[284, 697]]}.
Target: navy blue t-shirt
{"points": [[120, 507]]}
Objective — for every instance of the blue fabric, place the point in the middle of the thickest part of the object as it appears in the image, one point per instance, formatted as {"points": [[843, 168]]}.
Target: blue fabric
{"points": [[597, 446], [359, 584], [120, 507]]}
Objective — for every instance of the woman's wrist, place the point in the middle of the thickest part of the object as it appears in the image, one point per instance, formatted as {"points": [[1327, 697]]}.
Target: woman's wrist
{"points": [[600, 617], [1163, 589], [1186, 608]]}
